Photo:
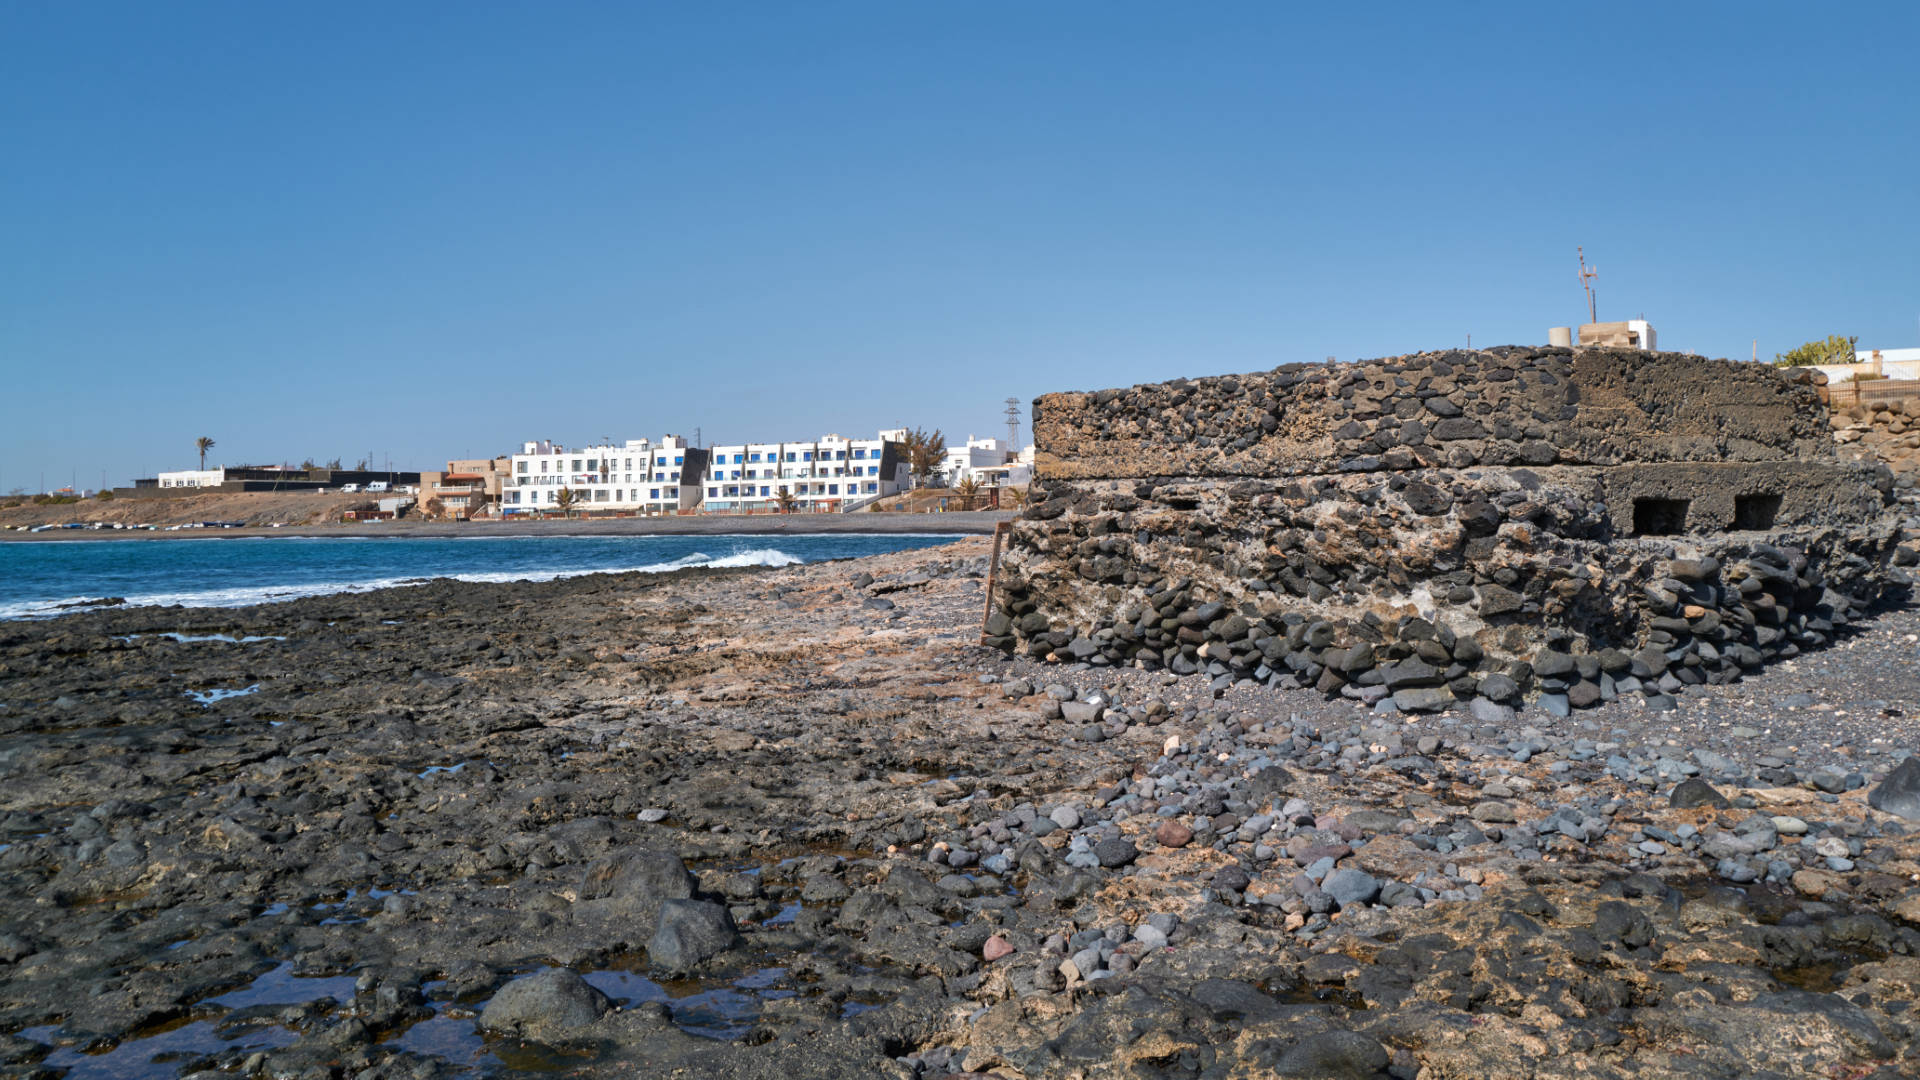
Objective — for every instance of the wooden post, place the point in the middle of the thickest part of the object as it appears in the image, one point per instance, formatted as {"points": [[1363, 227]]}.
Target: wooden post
{"points": [[1000, 528]]}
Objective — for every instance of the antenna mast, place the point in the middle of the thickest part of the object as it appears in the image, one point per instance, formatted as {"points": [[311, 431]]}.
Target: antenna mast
{"points": [[1587, 276], [1013, 423]]}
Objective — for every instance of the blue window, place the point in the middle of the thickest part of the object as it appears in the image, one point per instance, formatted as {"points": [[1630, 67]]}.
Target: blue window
{"points": [[713, 493], [859, 453], [872, 488], [736, 459], [673, 493], [833, 489], [789, 455], [806, 455], [653, 493], [657, 477], [764, 490], [755, 457], [839, 455], [680, 461]]}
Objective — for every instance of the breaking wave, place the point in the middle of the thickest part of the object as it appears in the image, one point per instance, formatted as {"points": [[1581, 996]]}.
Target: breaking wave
{"points": [[269, 594]]}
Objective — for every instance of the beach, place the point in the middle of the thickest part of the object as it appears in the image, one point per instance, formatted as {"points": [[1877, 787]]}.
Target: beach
{"points": [[795, 822]]}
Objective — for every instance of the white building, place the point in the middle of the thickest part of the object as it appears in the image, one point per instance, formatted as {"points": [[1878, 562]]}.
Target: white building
{"points": [[188, 478], [989, 462], [637, 477], [831, 474]]}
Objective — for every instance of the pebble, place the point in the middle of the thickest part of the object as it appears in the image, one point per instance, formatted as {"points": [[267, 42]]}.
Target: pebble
{"points": [[1172, 834]]}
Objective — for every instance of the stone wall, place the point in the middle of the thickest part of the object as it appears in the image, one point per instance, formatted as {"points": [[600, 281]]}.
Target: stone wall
{"points": [[1572, 523], [1885, 430]]}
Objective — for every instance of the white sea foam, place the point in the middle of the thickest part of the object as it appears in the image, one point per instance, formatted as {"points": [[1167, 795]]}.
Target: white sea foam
{"points": [[269, 594]]}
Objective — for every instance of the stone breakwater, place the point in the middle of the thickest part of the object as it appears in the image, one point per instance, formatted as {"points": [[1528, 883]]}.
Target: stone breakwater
{"points": [[1484, 527]]}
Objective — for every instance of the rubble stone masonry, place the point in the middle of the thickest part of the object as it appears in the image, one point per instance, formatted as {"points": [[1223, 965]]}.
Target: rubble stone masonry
{"points": [[1571, 524]]}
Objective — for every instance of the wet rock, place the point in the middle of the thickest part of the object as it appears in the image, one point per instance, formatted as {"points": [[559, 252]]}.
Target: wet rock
{"points": [[544, 1006], [634, 883], [690, 932]]}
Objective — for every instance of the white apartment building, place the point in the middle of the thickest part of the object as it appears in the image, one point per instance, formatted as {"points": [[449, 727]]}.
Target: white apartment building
{"points": [[193, 478], [831, 474], [990, 462], [637, 477]]}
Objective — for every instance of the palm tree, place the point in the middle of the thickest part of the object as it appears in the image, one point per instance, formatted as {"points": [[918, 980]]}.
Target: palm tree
{"points": [[1011, 497], [968, 490], [564, 499], [786, 500], [203, 444]]}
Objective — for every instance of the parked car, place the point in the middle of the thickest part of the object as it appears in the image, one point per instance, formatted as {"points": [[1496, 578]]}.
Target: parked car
{"points": [[351, 489], [379, 486]]}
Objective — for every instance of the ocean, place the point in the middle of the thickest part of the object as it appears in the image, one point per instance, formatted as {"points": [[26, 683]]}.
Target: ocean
{"points": [[44, 578]]}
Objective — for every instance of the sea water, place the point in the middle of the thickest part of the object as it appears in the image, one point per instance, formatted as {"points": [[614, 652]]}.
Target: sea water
{"points": [[39, 579]]}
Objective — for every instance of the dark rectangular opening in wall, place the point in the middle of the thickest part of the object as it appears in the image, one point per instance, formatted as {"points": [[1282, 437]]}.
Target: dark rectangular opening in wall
{"points": [[1659, 517], [1755, 511]]}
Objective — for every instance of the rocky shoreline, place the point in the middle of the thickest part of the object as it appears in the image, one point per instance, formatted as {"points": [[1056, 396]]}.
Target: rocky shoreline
{"points": [[798, 823]]}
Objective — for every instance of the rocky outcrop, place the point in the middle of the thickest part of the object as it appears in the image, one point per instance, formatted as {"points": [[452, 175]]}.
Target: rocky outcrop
{"points": [[1423, 530]]}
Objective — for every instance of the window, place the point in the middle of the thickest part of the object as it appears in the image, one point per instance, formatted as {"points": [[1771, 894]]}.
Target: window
{"points": [[513, 497], [673, 493], [790, 455], [1659, 517], [859, 452], [653, 493], [1755, 511], [833, 489], [522, 466], [679, 461], [592, 464], [765, 491], [713, 493], [576, 464], [543, 465], [871, 488], [657, 477]]}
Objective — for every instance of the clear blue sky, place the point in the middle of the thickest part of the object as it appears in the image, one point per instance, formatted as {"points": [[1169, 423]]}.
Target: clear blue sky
{"points": [[435, 229]]}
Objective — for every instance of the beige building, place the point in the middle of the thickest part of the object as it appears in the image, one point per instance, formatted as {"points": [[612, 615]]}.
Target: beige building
{"points": [[467, 488]]}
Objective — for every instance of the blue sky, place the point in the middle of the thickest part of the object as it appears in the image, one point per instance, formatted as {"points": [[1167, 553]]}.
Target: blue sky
{"points": [[437, 229]]}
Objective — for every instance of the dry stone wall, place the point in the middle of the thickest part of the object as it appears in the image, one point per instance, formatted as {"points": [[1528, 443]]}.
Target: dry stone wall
{"points": [[1572, 524]]}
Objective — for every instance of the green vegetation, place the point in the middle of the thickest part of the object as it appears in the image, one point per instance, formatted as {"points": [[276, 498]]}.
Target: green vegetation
{"points": [[924, 453], [103, 495], [1836, 349], [203, 444], [564, 499], [786, 500], [968, 490]]}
